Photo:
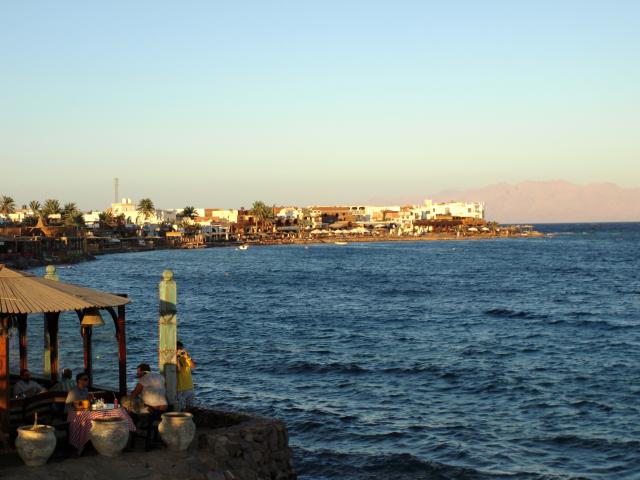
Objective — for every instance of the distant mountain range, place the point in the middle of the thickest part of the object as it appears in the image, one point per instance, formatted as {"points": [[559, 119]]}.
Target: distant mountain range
{"points": [[552, 202]]}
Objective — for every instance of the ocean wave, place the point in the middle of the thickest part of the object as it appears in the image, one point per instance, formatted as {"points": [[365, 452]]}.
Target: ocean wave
{"points": [[506, 313], [596, 443], [317, 465], [312, 367], [595, 324]]}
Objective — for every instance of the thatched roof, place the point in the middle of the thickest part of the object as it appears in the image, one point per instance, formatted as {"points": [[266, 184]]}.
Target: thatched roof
{"points": [[24, 293]]}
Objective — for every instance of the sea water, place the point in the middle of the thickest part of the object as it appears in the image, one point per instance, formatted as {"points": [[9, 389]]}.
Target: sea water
{"points": [[504, 358]]}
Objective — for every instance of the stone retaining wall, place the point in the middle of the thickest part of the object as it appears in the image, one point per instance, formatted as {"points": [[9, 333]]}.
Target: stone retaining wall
{"points": [[243, 447], [227, 446]]}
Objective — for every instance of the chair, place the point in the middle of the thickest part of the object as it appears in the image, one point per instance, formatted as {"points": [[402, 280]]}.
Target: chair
{"points": [[147, 426]]}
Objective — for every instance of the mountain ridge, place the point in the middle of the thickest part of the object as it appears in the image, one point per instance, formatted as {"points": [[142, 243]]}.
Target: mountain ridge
{"points": [[557, 201]]}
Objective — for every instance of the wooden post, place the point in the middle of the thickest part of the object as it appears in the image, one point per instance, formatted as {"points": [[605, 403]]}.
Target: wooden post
{"points": [[22, 333], [168, 333], [122, 350], [52, 322], [86, 344], [49, 345], [4, 382]]}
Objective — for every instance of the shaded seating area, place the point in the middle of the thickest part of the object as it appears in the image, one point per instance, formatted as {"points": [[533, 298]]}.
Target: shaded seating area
{"points": [[21, 295]]}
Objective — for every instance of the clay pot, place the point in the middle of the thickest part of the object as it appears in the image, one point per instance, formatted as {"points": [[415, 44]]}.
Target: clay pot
{"points": [[35, 446], [109, 435], [177, 430]]}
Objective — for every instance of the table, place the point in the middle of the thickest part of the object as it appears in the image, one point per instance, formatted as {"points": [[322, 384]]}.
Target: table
{"points": [[80, 423]]}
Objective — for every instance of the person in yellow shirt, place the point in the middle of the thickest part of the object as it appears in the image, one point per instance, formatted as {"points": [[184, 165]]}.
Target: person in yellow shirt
{"points": [[186, 397]]}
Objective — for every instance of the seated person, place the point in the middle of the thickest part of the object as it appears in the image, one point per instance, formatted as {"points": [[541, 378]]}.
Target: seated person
{"points": [[151, 388], [66, 383], [79, 392], [25, 387]]}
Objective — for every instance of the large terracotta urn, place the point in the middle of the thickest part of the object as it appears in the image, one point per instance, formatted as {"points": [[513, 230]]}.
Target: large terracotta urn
{"points": [[35, 444], [109, 435], [177, 430]]}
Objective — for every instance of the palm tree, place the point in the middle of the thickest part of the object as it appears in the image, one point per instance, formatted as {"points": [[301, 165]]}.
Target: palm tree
{"points": [[146, 208], [262, 211], [70, 209], [7, 205], [75, 219], [51, 206], [189, 212], [35, 206], [106, 220]]}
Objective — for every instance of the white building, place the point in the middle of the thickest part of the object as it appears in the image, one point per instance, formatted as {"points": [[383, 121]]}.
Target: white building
{"points": [[289, 213], [433, 210]]}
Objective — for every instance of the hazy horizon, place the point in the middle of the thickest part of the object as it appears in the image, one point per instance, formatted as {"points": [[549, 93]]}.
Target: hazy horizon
{"points": [[221, 104]]}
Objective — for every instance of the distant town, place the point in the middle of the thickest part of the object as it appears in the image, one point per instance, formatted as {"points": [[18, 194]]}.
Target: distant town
{"points": [[50, 232]]}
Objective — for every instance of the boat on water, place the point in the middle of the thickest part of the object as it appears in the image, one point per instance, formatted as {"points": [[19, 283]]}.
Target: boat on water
{"points": [[340, 243], [243, 247]]}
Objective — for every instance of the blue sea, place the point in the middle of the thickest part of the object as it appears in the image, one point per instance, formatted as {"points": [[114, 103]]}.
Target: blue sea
{"points": [[503, 358]]}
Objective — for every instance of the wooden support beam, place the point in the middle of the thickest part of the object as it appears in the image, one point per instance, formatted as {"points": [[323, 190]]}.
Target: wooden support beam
{"points": [[51, 350], [122, 350], [86, 344], [4, 382], [22, 333]]}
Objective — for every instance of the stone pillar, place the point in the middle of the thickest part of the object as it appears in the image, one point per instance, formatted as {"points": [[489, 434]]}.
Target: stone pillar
{"points": [[48, 345], [167, 330]]}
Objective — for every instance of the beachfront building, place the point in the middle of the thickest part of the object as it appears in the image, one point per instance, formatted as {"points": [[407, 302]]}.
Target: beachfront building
{"points": [[129, 210], [91, 220], [288, 213], [19, 215], [432, 210], [347, 213], [221, 214]]}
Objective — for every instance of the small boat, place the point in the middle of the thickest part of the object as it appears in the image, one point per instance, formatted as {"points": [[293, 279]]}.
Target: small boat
{"points": [[340, 243], [243, 247]]}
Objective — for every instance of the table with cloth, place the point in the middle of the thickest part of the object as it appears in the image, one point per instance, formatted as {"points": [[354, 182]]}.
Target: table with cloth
{"points": [[80, 423]]}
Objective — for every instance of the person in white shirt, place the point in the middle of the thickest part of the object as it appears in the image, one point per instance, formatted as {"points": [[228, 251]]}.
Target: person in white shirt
{"points": [[151, 389], [25, 387]]}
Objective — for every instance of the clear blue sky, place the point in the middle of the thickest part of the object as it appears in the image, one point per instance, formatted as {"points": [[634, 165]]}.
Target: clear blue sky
{"points": [[219, 104]]}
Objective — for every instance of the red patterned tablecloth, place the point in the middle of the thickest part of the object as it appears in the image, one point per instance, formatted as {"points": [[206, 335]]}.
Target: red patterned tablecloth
{"points": [[80, 423]]}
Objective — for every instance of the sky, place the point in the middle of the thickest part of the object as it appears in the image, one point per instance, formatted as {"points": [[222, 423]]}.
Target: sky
{"points": [[218, 104]]}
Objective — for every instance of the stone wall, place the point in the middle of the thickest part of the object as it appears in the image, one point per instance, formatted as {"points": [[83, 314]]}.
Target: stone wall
{"points": [[243, 447], [227, 446]]}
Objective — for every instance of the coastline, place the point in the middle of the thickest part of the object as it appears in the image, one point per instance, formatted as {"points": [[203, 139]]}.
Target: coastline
{"points": [[22, 263]]}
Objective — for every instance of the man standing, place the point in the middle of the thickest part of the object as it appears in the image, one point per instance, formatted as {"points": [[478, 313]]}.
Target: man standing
{"points": [[184, 364]]}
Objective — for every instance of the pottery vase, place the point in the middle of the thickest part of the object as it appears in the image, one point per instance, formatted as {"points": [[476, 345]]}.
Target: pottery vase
{"points": [[109, 435], [35, 445], [177, 430]]}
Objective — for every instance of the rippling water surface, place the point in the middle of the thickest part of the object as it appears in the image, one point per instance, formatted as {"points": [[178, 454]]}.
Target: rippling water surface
{"points": [[511, 358]]}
